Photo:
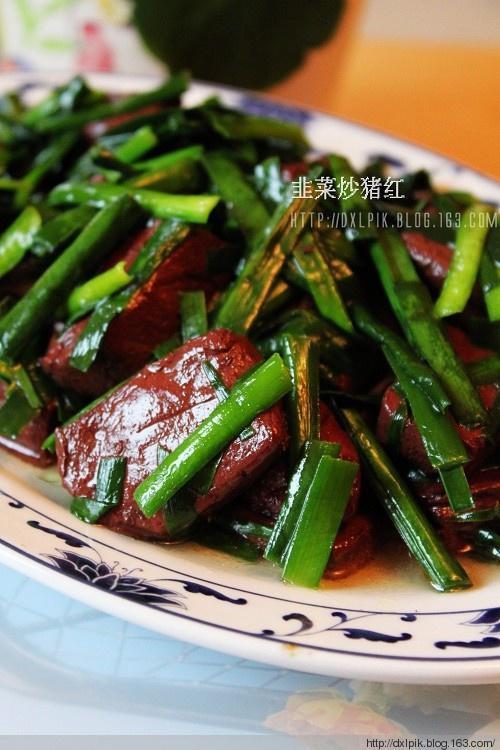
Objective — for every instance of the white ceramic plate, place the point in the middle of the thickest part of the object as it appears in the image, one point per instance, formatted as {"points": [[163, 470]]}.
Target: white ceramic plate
{"points": [[384, 623]]}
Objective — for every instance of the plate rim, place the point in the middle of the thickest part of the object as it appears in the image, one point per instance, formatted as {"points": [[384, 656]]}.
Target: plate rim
{"points": [[267, 649]]}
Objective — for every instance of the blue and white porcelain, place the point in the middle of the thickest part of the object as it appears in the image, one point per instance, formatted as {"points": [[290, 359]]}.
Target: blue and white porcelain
{"points": [[384, 623]]}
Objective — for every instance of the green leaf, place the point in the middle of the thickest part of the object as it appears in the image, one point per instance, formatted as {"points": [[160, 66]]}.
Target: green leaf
{"points": [[246, 44], [15, 413], [110, 479]]}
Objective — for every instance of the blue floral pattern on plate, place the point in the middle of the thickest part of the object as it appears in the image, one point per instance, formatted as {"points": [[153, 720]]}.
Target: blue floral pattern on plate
{"points": [[314, 627]]}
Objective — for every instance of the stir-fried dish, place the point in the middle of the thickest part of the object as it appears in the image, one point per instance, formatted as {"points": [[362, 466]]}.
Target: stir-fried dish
{"points": [[223, 337]]}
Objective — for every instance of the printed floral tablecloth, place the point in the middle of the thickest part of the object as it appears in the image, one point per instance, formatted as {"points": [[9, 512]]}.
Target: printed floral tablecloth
{"points": [[85, 35]]}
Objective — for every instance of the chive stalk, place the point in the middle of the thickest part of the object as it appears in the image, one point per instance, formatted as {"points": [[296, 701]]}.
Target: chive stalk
{"points": [[485, 370], [298, 486], [202, 482], [138, 144], [213, 378], [18, 238], [335, 348], [300, 355], [164, 161], [193, 311], [442, 443], [85, 297], [108, 491], [89, 342], [310, 545], [219, 539], [163, 243], [222, 394], [423, 542], [22, 379], [490, 284], [168, 91], [457, 490], [182, 508], [279, 296], [180, 177], [241, 127], [412, 305], [489, 274], [47, 160], [309, 261], [487, 545], [269, 180], [182, 513], [194, 208], [59, 231], [246, 529], [465, 262], [62, 99], [403, 354], [243, 203], [15, 412]]}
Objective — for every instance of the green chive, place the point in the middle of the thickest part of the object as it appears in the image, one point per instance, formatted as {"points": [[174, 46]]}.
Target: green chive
{"points": [[311, 543], [193, 311], [244, 205], [136, 145], [298, 486], [412, 305], [465, 261], [158, 163], [194, 208], [300, 355], [312, 266], [85, 297], [108, 490], [440, 567], [15, 412], [18, 238]]}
